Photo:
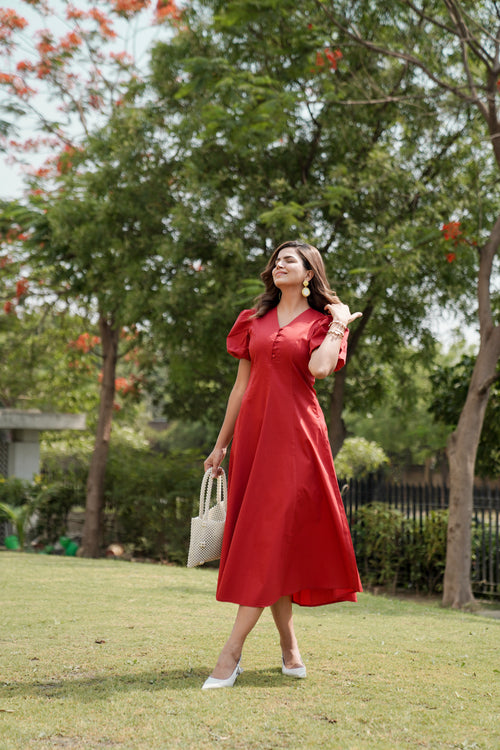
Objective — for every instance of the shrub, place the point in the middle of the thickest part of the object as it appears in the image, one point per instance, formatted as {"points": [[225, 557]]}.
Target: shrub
{"points": [[426, 552], [151, 499], [359, 457], [395, 551], [18, 502], [379, 535], [150, 494], [56, 501]]}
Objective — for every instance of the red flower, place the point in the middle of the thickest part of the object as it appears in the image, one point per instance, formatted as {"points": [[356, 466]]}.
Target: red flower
{"points": [[96, 101], [23, 65], [72, 12], [42, 172], [21, 288], [127, 8], [333, 57], [9, 22], [166, 8], [450, 257], [320, 60], [104, 23], [72, 40], [85, 342], [451, 231], [8, 307]]}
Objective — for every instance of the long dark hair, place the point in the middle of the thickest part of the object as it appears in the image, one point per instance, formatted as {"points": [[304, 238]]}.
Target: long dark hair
{"points": [[321, 294]]}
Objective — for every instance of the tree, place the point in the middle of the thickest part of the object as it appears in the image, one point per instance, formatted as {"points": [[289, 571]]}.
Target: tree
{"points": [[273, 146], [104, 237], [454, 47], [95, 218]]}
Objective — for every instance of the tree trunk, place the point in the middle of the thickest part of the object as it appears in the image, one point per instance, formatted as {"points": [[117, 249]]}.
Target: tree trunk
{"points": [[93, 527], [461, 450], [463, 442], [337, 431]]}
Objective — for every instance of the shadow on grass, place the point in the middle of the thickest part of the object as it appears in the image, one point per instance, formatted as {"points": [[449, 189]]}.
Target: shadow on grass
{"points": [[86, 688]]}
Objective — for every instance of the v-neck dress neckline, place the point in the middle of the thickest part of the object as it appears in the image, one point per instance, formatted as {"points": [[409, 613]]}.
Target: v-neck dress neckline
{"points": [[292, 320]]}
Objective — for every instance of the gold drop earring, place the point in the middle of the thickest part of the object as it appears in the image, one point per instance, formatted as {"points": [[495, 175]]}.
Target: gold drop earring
{"points": [[305, 290]]}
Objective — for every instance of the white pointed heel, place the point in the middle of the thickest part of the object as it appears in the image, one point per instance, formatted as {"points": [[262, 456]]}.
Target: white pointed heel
{"points": [[213, 682], [299, 672]]}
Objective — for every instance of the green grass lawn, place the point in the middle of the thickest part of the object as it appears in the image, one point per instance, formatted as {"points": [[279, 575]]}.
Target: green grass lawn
{"points": [[106, 654]]}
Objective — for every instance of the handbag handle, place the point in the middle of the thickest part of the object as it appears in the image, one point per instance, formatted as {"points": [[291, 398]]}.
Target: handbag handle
{"points": [[206, 491]]}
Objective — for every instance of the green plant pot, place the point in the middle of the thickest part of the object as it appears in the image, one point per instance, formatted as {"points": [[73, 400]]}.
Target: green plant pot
{"points": [[71, 549], [12, 542]]}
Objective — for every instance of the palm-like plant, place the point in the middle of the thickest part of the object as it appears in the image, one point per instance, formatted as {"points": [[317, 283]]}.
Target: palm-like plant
{"points": [[19, 516]]}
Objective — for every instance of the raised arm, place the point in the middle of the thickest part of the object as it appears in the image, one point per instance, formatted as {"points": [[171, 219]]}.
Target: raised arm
{"points": [[324, 359], [216, 457]]}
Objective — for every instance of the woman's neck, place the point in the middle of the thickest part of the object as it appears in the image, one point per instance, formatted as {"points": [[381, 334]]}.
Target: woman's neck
{"points": [[292, 302]]}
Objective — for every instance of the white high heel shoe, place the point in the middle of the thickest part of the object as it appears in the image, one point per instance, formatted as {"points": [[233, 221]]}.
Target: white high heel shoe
{"points": [[294, 671], [214, 682]]}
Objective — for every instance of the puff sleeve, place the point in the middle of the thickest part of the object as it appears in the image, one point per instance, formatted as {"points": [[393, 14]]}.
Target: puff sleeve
{"points": [[319, 332], [238, 339]]}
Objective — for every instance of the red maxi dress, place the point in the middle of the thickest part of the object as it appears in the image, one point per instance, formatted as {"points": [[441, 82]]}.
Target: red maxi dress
{"points": [[286, 530]]}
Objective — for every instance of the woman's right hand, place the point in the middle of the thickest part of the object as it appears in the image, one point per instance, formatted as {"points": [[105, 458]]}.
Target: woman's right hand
{"points": [[214, 461]]}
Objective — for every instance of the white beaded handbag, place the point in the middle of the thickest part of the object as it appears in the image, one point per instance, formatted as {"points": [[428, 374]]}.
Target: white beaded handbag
{"points": [[207, 528]]}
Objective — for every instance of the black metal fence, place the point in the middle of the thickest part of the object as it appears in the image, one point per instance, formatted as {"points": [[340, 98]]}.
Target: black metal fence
{"points": [[418, 502]]}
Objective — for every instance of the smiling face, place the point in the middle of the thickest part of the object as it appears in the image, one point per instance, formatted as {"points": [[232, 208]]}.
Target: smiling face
{"points": [[289, 270]]}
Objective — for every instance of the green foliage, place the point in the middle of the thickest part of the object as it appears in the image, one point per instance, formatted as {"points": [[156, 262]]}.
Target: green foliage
{"points": [[151, 489], [15, 492], [398, 552], [40, 367], [151, 499], [269, 149], [378, 531], [425, 551], [359, 457], [450, 385], [42, 507], [56, 501], [398, 415], [18, 502]]}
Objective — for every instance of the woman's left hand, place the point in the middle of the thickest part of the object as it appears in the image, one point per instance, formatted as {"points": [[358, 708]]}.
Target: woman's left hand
{"points": [[341, 313]]}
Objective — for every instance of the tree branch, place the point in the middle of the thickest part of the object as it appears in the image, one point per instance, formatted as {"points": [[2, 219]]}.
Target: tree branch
{"points": [[355, 36], [488, 383], [465, 36], [465, 39]]}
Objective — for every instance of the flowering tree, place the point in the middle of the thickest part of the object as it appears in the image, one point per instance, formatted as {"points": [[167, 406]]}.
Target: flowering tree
{"points": [[95, 216], [66, 66], [454, 47], [278, 142]]}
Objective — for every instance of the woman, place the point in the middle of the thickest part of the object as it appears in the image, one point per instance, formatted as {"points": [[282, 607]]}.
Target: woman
{"points": [[286, 537]]}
